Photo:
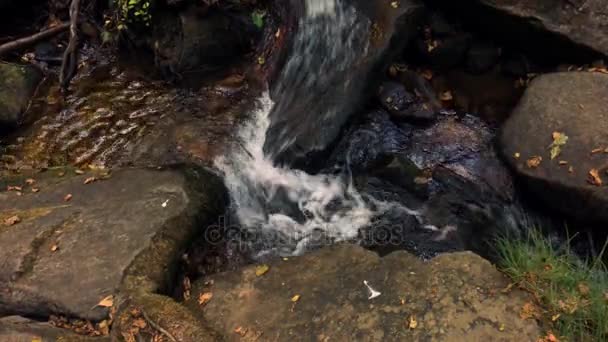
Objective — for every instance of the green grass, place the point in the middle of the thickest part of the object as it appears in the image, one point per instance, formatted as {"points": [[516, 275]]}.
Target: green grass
{"points": [[572, 294]]}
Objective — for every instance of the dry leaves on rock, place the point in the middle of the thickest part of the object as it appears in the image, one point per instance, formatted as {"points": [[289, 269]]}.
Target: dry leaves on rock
{"points": [[412, 323], [204, 298], [260, 270], [559, 139], [550, 337], [107, 302], [594, 177], [534, 162], [528, 311], [10, 221]]}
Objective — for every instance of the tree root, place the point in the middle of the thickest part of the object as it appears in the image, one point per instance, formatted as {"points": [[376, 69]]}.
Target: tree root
{"points": [[69, 64], [158, 327], [33, 39]]}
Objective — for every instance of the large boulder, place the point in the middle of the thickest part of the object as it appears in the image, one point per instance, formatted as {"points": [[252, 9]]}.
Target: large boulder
{"points": [[555, 23], [331, 60], [17, 85], [323, 296], [573, 104], [66, 245]]}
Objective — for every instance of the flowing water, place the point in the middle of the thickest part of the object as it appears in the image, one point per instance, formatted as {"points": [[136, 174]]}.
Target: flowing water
{"points": [[273, 200]]}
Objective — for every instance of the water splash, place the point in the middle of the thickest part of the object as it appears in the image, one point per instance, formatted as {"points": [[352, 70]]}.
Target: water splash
{"points": [[291, 203]]}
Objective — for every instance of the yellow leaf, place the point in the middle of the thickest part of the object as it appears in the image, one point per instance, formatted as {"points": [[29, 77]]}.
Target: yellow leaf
{"points": [[37, 339], [260, 270], [594, 177], [12, 220], [204, 298], [106, 302], [559, 140], [295, 298], [534, 162], [412, 322], [555, 317]]}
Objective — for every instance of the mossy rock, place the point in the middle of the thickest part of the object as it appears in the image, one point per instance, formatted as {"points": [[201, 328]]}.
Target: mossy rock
{"points": [[17, 85]]}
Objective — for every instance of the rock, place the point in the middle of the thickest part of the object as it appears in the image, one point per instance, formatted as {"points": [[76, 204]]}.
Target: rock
{"points": [[322, 296], [19, 329], [73, 244], [527, 23], [482, 57], [332, 89], [404, 105], [448, 53], [572, 103], [206, 40], [17, 85]]}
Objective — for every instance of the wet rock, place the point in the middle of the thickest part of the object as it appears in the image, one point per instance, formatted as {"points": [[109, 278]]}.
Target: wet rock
{"points": [[440, 26], [198, 42], [17, 85], [448, 52], [332, 89], [574, 104], [556, 23], [322, 295], [404, 105], [427, 104], [482, 57], [19, 329], [73, 244]]}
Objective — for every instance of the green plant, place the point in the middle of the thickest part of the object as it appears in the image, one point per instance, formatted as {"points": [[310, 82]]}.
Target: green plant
{"points": [[134, 12], [572, 292]]}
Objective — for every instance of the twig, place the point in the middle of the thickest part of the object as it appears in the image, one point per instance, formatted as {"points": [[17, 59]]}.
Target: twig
{"points": [[27, 41], [70, 56], [158, 327]]}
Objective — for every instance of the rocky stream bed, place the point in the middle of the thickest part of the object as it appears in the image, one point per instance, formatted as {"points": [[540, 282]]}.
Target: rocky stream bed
{"points": [[117, 222]]}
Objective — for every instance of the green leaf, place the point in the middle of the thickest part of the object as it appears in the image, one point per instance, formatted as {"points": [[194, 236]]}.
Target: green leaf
{"points": [[258, 18], [559, 140]]}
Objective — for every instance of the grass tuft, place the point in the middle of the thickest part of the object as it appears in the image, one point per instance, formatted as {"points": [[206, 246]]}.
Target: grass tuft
{"points": [[572, 293]]}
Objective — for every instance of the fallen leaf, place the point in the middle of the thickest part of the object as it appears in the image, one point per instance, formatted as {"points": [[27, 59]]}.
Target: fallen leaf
{"points": [[79, 172], [594, 177], [107, 302], [427, 74], [571, 169], [534, 162], [555, 317], [559, 140], [241, 331], [90, 180], [139, 323], [517, 155], [395, 4], [295, 298], [54, 248], [37, 339], [35, 190], [204, 298], [501, 327], [30, 181], [67, 197], [260, 270], [14, 188], [446, 96], [12, 220], [597, 150], [412, 322], [528, 311]]}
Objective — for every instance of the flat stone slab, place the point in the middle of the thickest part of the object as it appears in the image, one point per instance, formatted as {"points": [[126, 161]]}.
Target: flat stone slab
{"points": [[64, 256], [322, 297], [19, 329]]}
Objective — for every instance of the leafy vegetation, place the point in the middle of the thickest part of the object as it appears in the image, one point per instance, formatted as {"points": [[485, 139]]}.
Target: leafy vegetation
{"points": [[134, 11], [572, 294]]}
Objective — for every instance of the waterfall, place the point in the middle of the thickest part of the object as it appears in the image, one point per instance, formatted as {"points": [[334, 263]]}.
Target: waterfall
{"points": [[279, 200]]}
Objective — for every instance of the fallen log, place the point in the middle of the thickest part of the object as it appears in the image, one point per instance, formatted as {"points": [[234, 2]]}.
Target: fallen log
{"points": [[33, 39]]}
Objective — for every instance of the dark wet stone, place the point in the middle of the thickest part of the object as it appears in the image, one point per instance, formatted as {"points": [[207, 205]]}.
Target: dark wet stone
{"points": [[440, 26], [573, 103], [482, 57], [447, 295], [17, 85], [64, 256], [449, 52], [404, 105]]}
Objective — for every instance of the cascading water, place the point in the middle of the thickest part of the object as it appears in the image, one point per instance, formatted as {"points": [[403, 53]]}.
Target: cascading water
{"points": [[289, 202]]}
